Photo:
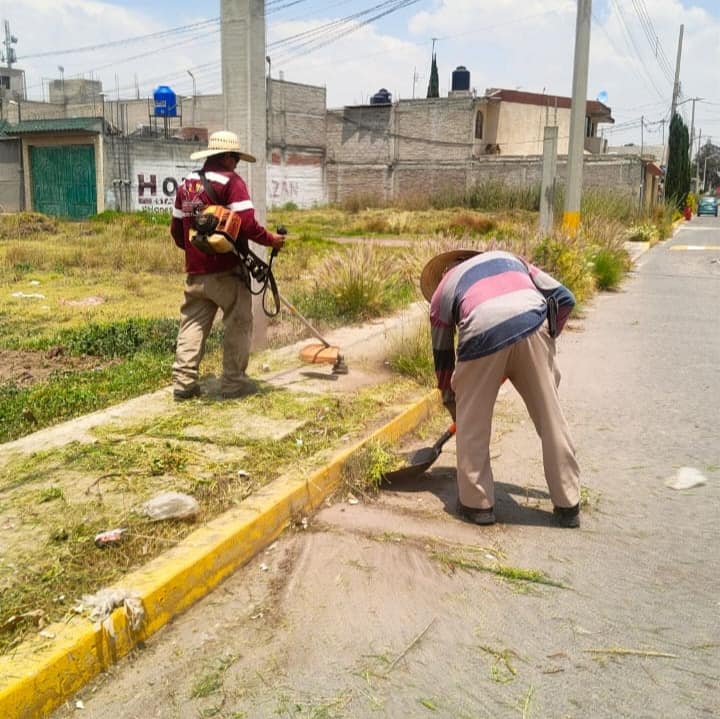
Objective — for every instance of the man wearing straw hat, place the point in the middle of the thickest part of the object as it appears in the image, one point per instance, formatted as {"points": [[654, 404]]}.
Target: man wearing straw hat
{"points": [[215, 281], [507, 313]]}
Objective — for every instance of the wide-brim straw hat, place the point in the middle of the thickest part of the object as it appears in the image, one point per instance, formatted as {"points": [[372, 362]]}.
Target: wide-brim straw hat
{"points": [[220, 143], [435, 269]]}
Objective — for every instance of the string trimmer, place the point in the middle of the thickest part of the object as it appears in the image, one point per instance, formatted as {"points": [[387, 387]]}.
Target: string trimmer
{"points": [[261, 272]]}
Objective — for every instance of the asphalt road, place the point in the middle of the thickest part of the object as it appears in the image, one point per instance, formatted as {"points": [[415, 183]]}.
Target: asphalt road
{"points": [[360, 615]]}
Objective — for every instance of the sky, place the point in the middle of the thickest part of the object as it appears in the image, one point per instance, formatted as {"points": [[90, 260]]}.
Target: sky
{"points": [[136, 45]]}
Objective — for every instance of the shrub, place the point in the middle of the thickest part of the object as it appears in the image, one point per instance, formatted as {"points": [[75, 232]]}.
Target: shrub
{"points": [[359, 284], [608, 268], [642, 233], [412, 356], [471, 223], [566, 262]]}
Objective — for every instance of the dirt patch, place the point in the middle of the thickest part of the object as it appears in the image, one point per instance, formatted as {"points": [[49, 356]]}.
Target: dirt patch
{"points": [[24, 368]]}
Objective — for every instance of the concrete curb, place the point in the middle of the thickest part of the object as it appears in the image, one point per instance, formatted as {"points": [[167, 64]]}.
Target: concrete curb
{"points": [[44, 672]]}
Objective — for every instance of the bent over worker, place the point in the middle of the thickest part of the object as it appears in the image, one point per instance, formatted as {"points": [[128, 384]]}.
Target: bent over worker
{"points": [[215, 281], [507, 313]]}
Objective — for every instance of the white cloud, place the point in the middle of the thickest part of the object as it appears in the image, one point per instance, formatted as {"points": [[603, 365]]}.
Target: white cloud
{"points": [[510, 43]]}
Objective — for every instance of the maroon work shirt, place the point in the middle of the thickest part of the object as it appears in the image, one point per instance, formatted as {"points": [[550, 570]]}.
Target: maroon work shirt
{"points": [[232, 192]]}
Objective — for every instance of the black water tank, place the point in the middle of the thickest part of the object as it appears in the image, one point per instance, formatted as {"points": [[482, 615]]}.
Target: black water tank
{"points": [[460, 78], [381, 97]]}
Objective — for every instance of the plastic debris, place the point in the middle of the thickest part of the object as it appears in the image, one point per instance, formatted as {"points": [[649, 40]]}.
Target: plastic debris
{"points": [[28, 295], [46, 634], [112, 536], [171, 505], [686, 478], [101, 605], [79, 704], [242, 473]]}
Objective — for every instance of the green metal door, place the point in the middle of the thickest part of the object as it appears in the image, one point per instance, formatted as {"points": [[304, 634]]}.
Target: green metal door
{"points": [[63, 180]]}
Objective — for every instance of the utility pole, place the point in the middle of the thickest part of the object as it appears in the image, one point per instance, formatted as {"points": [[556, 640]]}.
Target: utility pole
{"points": [[243, 53], [578, 111], [8, 55], [697, 163], [676, 85], [547, 187], [194, 86]]}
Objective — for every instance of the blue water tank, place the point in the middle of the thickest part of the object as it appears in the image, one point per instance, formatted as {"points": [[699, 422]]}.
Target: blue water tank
{"points": [[381, 97], [460, 79], [165, 102]]}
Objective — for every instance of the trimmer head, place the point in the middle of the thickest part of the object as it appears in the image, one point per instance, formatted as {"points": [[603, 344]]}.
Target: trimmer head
{"points": [[324, 354]]}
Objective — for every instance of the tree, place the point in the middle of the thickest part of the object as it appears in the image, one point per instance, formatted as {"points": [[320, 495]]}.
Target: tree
{"points": [[434, 84], [677, 179], [707, 165]]}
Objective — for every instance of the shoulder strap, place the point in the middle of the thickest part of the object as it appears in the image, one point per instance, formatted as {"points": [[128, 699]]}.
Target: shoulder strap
{"points": [[209, 188]]}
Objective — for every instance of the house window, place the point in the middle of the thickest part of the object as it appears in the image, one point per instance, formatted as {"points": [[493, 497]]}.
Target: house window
{"points": [[479, 125], [4, 82]]}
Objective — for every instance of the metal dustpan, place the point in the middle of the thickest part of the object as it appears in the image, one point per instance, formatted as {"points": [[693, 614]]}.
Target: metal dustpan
{"points": [[421, 460]]}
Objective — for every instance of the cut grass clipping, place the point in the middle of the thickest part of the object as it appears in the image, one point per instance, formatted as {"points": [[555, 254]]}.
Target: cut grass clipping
{"points": [[60, 499], [469, 558]]}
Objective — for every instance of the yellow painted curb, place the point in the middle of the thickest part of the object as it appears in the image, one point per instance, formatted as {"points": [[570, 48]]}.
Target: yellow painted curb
{"points": [[44, 672]]}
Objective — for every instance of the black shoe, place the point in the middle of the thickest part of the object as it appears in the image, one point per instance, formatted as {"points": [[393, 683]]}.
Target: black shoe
{"points": [[180, 395], [475, 515], [568, 517], [247, 389]]}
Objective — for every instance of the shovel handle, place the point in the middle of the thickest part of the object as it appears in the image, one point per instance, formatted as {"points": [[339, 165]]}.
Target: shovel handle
{"points": [[449, 432]]}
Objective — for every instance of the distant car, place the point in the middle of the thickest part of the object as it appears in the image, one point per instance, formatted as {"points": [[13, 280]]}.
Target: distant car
{"points": [[708, 205]]}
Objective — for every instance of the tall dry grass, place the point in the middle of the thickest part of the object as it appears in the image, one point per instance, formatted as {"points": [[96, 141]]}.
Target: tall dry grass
{"points": [[124, 245]]}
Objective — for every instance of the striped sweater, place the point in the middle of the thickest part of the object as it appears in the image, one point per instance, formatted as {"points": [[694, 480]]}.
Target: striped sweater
{"points": [[494, 299]]}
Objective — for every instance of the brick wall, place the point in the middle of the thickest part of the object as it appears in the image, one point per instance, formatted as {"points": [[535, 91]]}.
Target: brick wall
{"points": [[618, 173]]}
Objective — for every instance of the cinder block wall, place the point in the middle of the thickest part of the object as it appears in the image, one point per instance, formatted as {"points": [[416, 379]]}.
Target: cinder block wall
{"points": [[428, 130]]}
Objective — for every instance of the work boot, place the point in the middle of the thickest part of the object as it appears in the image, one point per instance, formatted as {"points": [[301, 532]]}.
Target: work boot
{"points": [[247, 388], [568, 517], [476, 515], [180, 395]]}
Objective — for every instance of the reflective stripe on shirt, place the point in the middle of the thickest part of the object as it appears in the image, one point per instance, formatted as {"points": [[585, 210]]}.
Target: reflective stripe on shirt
{"points": [[240, 206]]}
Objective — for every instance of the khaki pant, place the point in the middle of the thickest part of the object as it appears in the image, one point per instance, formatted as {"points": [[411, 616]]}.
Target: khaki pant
{"points": [[204, 295], [530, 365]]}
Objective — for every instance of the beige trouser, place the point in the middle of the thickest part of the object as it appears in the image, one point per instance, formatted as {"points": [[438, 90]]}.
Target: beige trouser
{"points": [[530, 366], [204, 295]]}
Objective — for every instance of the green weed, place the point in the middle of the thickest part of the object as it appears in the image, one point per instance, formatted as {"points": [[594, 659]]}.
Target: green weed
{"points": [[411, 356], [609, 268], [363, 472], [49, 494]]}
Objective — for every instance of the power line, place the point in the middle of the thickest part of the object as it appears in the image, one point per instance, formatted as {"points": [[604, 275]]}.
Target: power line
{"points": [[653, 39], [630, 41], [116, 43]]}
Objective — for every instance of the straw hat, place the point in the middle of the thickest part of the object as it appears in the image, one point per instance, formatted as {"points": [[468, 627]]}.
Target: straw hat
{"points": [[221, 142], [435, 269]]}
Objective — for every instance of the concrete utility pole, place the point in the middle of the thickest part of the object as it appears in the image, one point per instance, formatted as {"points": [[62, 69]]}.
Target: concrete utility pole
{"points": [[549, 172], [242, 47], [676, 85], [578, 112]]}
